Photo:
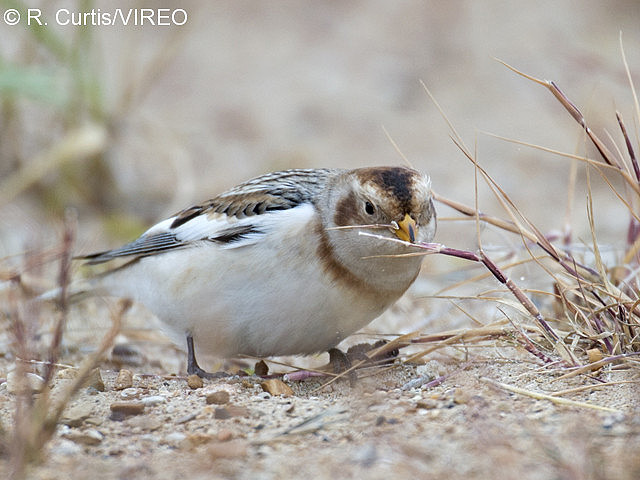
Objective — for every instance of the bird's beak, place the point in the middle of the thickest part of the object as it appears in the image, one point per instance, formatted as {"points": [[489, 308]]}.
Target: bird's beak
{"points": [[407, 229]]}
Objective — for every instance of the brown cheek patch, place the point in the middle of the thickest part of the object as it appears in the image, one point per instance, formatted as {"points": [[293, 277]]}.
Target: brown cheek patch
{"points": [[346, 211], [344, 277], [329, 262]]}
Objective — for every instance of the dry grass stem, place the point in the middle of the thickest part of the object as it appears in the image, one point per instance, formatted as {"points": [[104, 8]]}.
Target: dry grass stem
{"points": [[594, 305], [551, 398], [596, 365], [595, 386], [36, 416]]}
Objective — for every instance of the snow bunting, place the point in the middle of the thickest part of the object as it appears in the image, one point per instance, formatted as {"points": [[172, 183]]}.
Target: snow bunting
{"points": [[276, 265]]}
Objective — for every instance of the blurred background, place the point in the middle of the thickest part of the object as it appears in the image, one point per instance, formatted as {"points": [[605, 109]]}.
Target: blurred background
{"points": [[128, 124], [244, 88]]}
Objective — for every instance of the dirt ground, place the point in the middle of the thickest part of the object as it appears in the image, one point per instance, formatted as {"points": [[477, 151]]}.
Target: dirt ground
{"points": [[388, 424], [246, 88]]}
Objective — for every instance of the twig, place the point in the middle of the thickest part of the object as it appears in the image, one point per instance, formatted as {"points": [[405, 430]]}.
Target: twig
{"points": [[592, 387], [64, 278], [560, 257], [573, 111], [542, 396], [595, 365], [481, 257]]}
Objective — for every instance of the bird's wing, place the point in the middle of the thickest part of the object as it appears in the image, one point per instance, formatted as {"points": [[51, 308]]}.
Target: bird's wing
{"points": [[233, 218]]}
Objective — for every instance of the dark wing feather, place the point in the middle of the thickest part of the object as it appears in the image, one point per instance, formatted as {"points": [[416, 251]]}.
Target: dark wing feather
{"points": [[143, 246], [267, 193]]}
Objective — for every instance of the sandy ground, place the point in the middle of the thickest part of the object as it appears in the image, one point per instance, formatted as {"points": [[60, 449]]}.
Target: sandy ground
{"points": [[385, 425], [245, 88]]}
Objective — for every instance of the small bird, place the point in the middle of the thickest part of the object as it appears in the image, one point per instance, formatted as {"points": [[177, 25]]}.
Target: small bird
{"points": [[277, 265]]}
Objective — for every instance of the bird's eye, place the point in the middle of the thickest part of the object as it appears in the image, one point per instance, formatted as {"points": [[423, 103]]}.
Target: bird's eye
{"points": [[369, 208]]}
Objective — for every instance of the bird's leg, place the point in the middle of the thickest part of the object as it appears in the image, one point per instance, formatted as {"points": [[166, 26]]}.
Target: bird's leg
{"points": [[192, 364]]}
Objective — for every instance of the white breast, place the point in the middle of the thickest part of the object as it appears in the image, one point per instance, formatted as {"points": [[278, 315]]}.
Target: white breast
{"points": [[268, 296]]}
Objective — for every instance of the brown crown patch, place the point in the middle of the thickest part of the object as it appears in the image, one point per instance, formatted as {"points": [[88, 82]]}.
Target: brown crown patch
{"points": [[396, 181]]}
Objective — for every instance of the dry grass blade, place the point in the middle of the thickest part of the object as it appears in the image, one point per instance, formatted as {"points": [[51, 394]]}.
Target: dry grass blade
{"points": [[514, 213], [522, 298], [573, 111], [444, 339], [632, 87], [595, 365], [472, 212], [627, 141], [36, 422], [36, 418], [595, 386], [599, 301], [91, 363], [64, 279], [572, 156], [542, 396], [397, 148], [559, 256]]}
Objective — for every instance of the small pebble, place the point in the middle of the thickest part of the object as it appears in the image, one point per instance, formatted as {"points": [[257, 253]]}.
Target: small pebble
{"points": [[86, 437], [29, 382], [129, 393], [221, 414], [124, 380], [595, 355], [94, 380], [66, 373], [77, 414], [175, 438], [187, 418], [427, 404], [194, 382], [238, 411], [218, 398], [145, 422], [225, 435], [461, 396], [127, 408], [276, 386], [68, 448], [153, 400]]}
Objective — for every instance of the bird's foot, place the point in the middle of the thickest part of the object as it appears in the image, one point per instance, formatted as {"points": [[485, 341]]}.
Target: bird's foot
{"points": [[341, 363], [192, 364], [365, 352], [196, 370]]}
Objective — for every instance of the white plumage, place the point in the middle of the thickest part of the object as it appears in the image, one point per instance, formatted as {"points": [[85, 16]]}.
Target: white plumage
{"points": [[265, 269]]}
